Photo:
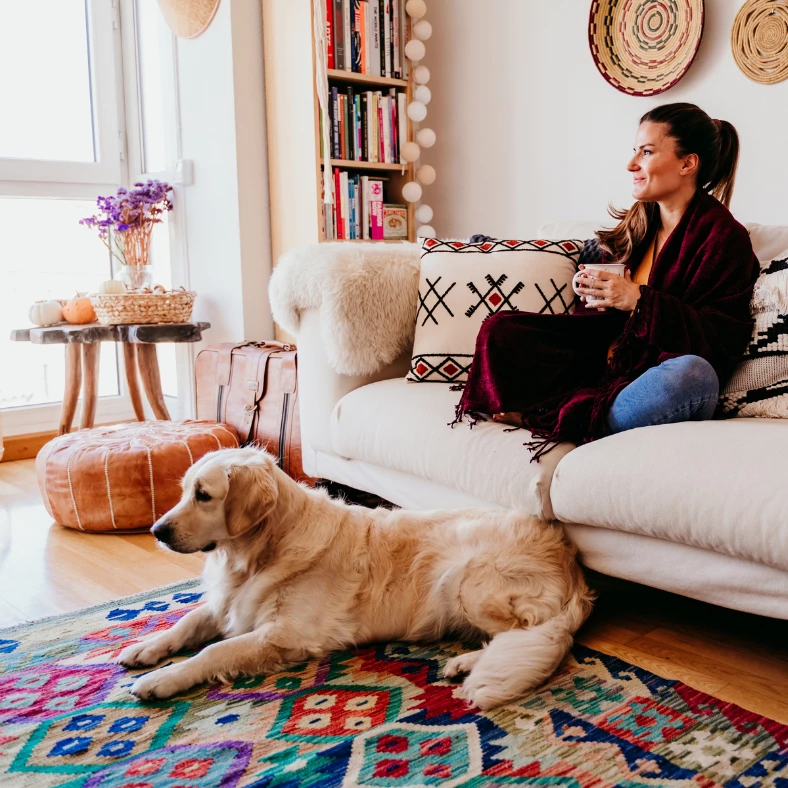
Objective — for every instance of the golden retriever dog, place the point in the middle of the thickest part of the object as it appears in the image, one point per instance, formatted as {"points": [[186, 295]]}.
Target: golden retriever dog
{"points": [[293, 574]]}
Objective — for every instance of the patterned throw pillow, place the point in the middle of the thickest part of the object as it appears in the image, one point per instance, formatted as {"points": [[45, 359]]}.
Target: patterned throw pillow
{"points": [[463, 283], [759, 384]]}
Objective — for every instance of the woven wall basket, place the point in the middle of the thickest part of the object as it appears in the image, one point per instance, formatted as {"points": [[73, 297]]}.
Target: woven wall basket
{"points": [[644, 47], [188, 18], [760, 40]]}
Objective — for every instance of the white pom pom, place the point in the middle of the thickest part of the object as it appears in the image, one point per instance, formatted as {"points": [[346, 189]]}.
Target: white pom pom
{"points": [[421, 75], [426, 138], [411, 192], [417, 111], [423, 94], [410, 152], [415, 50], [426, 174], [426, 231], [416, 9], [422, 30], [424, 214]]}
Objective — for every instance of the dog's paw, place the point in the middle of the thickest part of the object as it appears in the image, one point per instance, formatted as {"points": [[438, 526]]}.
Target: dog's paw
{"points": [[144, 654], [161, 684], [462, 664]]}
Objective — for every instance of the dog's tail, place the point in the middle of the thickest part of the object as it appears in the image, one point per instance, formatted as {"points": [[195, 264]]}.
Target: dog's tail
{"points": [[518, 660]]}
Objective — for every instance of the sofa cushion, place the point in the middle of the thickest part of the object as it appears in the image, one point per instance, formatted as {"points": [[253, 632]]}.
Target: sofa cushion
{"points": [[718, 485], [404, 426], [462, 284]]}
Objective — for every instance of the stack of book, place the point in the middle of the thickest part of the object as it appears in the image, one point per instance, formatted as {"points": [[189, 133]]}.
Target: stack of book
{"points": [[359, 211], [367, 37], [367, 125]]}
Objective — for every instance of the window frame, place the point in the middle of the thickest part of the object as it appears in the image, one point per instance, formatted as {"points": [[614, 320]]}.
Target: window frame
{"points": [[45, 176]]}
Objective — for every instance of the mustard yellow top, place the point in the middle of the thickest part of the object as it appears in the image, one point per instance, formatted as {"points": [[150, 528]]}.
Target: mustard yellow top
{"points": [[640, 277]]}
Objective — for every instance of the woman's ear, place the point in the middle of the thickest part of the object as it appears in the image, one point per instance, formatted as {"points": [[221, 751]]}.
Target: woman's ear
{"points": [[251, 496], [690, 165]]}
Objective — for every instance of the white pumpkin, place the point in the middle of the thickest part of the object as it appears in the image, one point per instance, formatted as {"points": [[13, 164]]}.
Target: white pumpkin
{"points": [[112, 287], [45, 313]]}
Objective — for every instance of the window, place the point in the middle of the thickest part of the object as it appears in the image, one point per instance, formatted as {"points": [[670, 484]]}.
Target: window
{"points": [[88, 97]]}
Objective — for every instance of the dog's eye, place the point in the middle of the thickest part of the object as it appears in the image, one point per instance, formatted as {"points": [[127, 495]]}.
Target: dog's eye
{"points": [[201, 495]]}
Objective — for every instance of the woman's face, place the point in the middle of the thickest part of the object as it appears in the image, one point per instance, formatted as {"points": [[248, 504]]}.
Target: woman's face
{"points": [[657, 172]]}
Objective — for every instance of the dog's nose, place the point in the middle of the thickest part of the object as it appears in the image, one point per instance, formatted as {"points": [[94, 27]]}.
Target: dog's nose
{"points": [[162, 531]]}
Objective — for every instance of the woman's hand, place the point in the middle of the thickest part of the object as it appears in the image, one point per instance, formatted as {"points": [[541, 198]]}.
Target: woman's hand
{"points": [[616, 292]]}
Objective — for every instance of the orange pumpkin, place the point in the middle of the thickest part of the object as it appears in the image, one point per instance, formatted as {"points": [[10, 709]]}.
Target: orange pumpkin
{"points": [[79, 310]]}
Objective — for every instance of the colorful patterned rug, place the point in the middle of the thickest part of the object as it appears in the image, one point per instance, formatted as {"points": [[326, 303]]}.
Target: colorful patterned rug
{"points": [[379, 716]]}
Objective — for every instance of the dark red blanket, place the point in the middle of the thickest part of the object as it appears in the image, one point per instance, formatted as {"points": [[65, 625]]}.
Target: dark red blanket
{"points": [[553, 368]]}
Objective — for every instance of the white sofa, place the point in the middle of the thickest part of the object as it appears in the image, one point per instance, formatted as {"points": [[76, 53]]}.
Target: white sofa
{"points": [[697, 508]]}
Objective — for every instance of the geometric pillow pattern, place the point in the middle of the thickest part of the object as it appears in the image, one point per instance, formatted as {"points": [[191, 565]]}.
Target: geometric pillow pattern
{"points": [[759, 384], [461, 284]]}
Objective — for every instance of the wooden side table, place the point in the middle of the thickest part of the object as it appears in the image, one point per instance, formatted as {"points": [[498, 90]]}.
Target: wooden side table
{"points": [[82, 362]]}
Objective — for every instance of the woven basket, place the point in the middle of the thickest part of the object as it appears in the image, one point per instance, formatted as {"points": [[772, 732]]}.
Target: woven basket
{"points": [[153, 307], [644, 48], [760, 41]]}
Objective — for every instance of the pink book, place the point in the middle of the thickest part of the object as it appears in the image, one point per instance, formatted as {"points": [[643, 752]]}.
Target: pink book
{"points": [[376, 210]]}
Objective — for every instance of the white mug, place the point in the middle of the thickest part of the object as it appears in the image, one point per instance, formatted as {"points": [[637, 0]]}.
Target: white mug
{"points": [[613, 268]]}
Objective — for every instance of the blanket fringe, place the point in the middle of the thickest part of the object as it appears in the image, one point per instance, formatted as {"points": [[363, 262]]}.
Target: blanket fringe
{"points": [[541, 446], [474, 417]]}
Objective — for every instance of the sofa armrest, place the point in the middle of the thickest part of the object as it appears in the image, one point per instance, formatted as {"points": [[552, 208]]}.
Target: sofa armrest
{"points": [[320, 386]]}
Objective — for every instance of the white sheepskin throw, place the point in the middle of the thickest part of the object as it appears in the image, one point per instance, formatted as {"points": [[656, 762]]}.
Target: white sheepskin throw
{"points": [[367, 295]]}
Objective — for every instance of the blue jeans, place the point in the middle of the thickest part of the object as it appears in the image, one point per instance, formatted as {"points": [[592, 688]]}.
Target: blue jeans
{"points": [[684, 388]]}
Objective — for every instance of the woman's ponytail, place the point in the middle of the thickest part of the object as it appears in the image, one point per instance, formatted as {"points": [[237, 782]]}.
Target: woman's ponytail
{"points": [[723, 177]]}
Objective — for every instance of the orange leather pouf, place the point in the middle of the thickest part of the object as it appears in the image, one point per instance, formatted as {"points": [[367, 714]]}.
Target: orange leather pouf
{"points": [[123, 477]]}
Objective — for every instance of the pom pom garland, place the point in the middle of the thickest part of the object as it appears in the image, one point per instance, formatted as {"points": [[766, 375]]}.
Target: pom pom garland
{"points": [[410, 152], [423, 94], [415, 9], [421, 75], [426, 231], [417, 111], [426, 174], [411, 192], [426, 138], [422, 30], [424, 214], [415, 49]]}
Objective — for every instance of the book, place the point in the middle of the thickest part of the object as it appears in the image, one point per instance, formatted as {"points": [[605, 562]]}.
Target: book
{"points": [[335, 123], [395, 222], [330, 33], [339, 35], [387, 37], [365, 207], [394, 125], [356, 35], [343, 181], [362, 34], [376, 210], [387, 129], [348, 31], [339, 226], [402, 116], [406, 30], [375, 37], [396, 31]]}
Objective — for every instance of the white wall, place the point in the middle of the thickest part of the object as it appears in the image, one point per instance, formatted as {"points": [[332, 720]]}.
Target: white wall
{"points": [[530, 132], [227, 214]]}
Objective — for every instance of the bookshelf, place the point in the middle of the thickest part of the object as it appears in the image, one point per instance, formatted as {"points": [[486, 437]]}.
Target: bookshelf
{"points": [[293, 127]]}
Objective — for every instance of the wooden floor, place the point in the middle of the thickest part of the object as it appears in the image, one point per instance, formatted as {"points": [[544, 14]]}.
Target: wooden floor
{"points": [[46, 569]]}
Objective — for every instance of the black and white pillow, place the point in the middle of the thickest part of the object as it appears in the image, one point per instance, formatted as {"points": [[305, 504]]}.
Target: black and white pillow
{"points": [[463, 283], [759, 384]]}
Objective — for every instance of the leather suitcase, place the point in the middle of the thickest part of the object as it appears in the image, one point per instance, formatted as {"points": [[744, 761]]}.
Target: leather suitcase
{"points": [[253, 387]]}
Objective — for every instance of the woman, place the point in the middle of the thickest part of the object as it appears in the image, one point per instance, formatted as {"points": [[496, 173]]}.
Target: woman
{"points": [[663, 338]]}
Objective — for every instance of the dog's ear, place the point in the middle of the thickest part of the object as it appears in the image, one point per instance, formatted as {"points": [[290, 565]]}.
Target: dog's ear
{"points": [[251, 496]]}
